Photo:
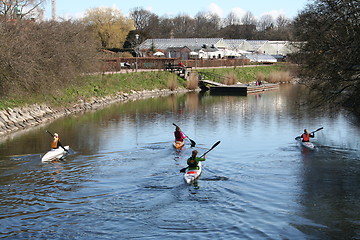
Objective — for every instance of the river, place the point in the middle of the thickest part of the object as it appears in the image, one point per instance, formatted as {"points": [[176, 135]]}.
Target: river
{"points": [[121, 179]]}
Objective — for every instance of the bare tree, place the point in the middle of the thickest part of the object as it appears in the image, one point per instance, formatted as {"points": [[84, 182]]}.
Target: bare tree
{"points": [[248, 19], [184, 26], [166, 26], [282, 22], [43, 57], [330, 56], [141, 18], [207, 24], [232, 19], [249, 26], [266, 23], [19, 9]]}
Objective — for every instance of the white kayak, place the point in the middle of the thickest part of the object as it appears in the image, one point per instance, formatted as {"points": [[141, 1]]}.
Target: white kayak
{"points": [[54, 154], [308, 145], [191, 175]]}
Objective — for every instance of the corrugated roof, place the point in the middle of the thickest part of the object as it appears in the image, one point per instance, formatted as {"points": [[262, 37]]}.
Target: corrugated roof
{"points": [[256, 44], [260, 58], [234, 41], [191, 43], [234, 44]]}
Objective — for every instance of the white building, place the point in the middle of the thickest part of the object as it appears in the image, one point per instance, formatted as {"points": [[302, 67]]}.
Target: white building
{"points": [[216, 48]]}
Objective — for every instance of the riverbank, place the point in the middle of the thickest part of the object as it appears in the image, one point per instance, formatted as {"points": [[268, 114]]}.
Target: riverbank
{"points": [[20, 118], [95, 91]]}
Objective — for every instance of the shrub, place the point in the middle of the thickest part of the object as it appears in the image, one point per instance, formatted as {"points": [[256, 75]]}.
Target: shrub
{"points": [[172, 82], [279, 77], [192, 82], [43, 57], [260, 76], [230, 78]]}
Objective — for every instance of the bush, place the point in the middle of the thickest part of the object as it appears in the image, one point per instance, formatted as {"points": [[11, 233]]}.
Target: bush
{"points": [[260, 76], [192, 83], [172, 82], [279, 77], [43, 57], [230, 78]]}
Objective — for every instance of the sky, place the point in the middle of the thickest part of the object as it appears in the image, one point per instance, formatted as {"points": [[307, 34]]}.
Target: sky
{"points": [[73, 9]]}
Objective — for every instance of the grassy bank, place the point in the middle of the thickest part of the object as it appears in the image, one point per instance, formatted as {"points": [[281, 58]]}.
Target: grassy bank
{"points": [[96, 86], [90, 86], [250, 73]]}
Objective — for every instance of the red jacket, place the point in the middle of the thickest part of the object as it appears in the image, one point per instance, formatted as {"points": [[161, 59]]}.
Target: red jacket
{"points": [[179, 136], [306, 137]]}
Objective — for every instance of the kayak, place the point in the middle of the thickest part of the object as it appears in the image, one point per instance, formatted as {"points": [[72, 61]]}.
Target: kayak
{"points": [[54, 154], [308, 145], [191, 175], [178, 144]]}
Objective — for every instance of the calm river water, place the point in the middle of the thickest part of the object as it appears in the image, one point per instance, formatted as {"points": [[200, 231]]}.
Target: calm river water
{"points": [[122, 180]]}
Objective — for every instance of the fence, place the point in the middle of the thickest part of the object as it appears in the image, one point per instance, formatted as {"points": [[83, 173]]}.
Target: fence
{"points": [[117, 64]]}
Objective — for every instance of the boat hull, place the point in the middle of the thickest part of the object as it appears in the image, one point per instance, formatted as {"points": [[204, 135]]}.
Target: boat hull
{"points": [[308, 145], [178, 145], [54, 154], [191, 175]]}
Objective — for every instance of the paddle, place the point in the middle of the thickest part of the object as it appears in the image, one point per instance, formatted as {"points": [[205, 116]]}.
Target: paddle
{"points": [[193, 143], [59, 141], [311, 132], [217, 143]]}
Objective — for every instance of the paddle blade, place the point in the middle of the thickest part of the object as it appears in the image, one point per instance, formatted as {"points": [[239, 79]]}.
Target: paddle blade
{"points": [[217, 143], [192, 143], [319, 129], [49, 133], [183, 170]]}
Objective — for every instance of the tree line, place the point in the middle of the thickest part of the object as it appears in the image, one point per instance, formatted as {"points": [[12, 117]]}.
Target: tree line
{"points": [[209, 25]]}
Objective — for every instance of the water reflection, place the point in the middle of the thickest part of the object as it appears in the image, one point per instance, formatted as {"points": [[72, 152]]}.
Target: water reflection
{"points": [[123, 173], [328, 194]]}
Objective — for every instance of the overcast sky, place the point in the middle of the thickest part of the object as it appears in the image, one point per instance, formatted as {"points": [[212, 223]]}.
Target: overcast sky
{"points": [[75, 8]]}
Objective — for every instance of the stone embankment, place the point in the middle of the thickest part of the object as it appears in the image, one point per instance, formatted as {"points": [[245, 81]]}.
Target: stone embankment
{"points": [[16, 119]]}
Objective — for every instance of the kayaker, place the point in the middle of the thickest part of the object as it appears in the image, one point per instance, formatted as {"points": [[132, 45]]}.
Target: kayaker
{"points": [[179, 136], [194, 160], [306, 136], [55, 143]]}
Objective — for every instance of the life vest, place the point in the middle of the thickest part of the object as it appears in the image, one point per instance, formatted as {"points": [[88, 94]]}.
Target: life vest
{"points": [[192, 163], [54, 143], [178, 136], [305, 137]]}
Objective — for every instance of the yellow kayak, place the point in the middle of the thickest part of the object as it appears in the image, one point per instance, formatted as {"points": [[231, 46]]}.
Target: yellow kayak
{"points": [[178, 144]]}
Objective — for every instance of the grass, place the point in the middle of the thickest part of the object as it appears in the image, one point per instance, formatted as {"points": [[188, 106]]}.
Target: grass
{"points": [[97, 86], [108, 85], [248, 74]]}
